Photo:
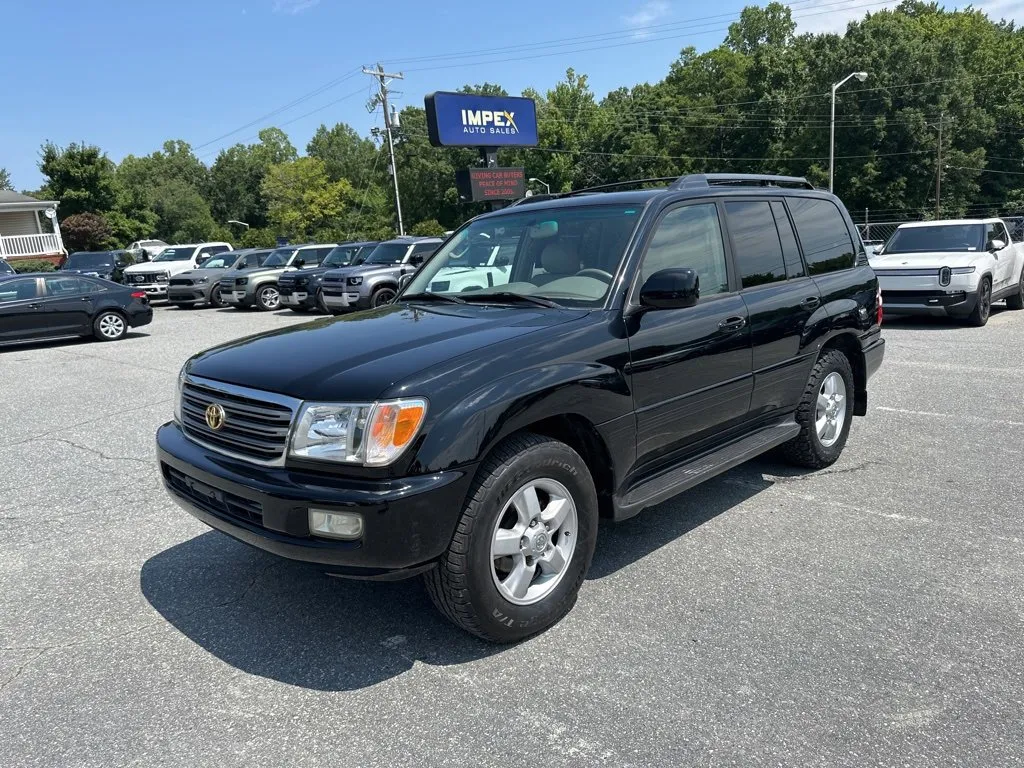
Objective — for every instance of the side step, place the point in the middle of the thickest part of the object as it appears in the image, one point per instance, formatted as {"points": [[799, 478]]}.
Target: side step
{"points": [[685, 476]]}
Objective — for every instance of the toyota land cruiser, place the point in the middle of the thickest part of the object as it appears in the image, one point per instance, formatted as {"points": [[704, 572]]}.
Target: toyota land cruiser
{"points": [[644, 342]]}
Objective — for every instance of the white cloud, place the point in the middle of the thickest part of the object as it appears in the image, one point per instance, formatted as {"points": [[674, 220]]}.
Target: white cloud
{"points": [[292, 7], [838, 15], [645, 15]]}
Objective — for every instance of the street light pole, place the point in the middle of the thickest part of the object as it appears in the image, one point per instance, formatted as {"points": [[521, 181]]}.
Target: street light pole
{"points": [[239, 223], [547, 187], [861, 76]]}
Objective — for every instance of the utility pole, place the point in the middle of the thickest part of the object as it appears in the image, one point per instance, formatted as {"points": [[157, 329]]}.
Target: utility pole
{"points": [[381, 99], [938, 171]]}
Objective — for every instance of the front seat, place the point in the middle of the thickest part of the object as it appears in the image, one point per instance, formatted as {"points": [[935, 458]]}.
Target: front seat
{"points": [[558, 260]]}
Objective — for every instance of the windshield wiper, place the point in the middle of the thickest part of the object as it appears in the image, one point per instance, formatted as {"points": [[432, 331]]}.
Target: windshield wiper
{"points": [[509, 296], [431, 296]]}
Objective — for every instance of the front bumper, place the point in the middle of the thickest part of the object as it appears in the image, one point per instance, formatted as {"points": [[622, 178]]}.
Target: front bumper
{"points": [[187, 294], [295, 297], [236, 298], [951, 303], [345, 300], [153, 290], [407, 522]]}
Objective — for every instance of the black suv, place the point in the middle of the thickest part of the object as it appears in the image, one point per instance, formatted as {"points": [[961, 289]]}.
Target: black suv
{"points": [[640, 343], [300, 291]]}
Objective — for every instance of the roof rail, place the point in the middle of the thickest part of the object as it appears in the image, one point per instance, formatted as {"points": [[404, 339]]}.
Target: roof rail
{"points": [[740, 179]]}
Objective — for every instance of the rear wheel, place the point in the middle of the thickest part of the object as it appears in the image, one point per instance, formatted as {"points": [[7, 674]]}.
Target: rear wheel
{"points": [[382, 296], [523, 543], [983, 305], [1016, 301], [109, 326], [268, 299], [824, 414]]}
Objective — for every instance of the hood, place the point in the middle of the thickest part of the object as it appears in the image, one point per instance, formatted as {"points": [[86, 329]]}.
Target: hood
{"points": [[367, 269], [357, 357], [250, 271], [212, 274], [926, 260], [300, 274], [148, 267]]}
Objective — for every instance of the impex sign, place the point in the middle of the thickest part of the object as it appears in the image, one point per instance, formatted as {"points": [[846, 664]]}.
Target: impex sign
{"points": [[466, 120]]}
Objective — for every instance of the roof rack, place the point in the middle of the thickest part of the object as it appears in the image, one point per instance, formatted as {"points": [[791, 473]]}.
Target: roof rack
{"points": [[740, 179]]}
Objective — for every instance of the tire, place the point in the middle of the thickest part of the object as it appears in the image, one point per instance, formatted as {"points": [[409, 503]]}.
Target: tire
{"points": [[818, 446], [109, 326], [472, 587], [268, 299], [1016, 301], [382, 296], [983, 306], [321, 307], [215, 300]]}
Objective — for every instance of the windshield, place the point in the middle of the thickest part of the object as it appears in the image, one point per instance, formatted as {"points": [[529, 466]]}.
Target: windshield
{"points": [[218, 262], [84, 260], [342, 256], [943, 237], [567, 255], [279, 258], [176, 254], [388, 253]]}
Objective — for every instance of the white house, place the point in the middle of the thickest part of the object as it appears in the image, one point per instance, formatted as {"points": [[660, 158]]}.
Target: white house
{"points": [[21, 229]]}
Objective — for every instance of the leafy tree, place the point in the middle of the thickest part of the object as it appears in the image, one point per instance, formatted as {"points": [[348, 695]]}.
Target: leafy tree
{"points": [[86, 232], [80, 176], [346, 154], [429, 228], [302, 201], [183, 214], [5, 179]]}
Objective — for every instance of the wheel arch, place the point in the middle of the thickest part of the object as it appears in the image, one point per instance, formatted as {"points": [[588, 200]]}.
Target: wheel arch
{"points": [[849, 345]]}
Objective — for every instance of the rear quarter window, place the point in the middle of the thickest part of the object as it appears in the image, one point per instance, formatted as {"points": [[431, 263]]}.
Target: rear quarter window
{"points": [[823, 235]]}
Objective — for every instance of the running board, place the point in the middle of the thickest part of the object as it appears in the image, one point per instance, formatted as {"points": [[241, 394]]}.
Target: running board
{"points": [[678, 479]]}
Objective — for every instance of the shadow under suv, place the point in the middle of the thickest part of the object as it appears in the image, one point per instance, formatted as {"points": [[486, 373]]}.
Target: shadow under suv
{"points": [[643, 342]]}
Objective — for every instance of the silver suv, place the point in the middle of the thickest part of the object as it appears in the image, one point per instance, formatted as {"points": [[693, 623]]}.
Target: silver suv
{"points": [[258, 286], [375, 282]]}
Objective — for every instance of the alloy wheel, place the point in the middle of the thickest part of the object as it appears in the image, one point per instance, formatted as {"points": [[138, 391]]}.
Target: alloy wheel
{"points": [[112, 326], [533, 541], [830, 412]]}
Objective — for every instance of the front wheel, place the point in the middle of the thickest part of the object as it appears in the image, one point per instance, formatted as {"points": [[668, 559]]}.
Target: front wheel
{"points": [[268, 299], [824, 414], [983, 305], [523, 544], [215, 300], [109, 326], [382, 296]]}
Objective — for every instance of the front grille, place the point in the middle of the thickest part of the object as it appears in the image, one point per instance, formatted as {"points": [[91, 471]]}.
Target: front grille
{"points": [[139, 278], [333, 286], [255, 427], [226, 285], [214, 500], [163, 277], [181, 281]]}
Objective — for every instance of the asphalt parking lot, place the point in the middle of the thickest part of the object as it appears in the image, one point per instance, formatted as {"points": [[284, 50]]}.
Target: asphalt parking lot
{"points": [[871, 614]]}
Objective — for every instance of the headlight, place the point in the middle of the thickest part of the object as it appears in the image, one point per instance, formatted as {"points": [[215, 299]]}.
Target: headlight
{"points": [[355, 281], [373, 434], [177, 394], [203, 280], [301, 281], [242, 281]]}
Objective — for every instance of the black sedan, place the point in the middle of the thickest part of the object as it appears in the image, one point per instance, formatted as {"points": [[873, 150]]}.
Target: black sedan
{"points": [[48, 305], [106, 264]]}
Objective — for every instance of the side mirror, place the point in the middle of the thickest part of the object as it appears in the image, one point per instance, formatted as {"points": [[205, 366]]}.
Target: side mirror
{"points": [[671, 289], [502, 261], [996, 245], [403, 281], [416, 260], [299, 262]]}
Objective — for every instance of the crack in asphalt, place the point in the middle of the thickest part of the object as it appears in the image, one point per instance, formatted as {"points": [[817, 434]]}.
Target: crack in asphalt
{"points": [[48, 432], [19, 670], [95, 451], [863, 466]]}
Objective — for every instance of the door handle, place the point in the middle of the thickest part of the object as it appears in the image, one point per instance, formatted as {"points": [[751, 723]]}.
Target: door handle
{"points": [[86, 298], [810, 302], [732, 324], [35, 306]]}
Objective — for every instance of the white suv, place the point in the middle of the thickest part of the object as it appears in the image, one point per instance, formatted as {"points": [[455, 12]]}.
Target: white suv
{"points": [[954, 268], [153, 276], [145, 250]]}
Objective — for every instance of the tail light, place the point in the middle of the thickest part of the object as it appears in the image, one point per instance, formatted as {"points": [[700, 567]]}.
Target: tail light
{"points": [[878, 304], [138, 294]]}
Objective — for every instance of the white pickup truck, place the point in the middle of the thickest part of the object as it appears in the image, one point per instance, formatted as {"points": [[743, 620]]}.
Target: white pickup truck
{"points": [[953, 268], [154, 276]]}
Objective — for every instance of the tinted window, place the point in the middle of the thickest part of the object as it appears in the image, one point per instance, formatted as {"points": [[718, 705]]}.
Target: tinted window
{"points": [[68, 286], [689, 236], [790, 251], [220, 249], [755, 242], [823, 234], [425, 249], [18, 290], [937, 237], [257, 259], [5, 268]]}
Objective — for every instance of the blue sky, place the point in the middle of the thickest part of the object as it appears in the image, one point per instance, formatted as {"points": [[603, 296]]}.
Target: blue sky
{"points": [[129, 74]]}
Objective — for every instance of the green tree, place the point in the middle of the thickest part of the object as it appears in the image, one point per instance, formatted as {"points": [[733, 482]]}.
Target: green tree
{"points": [[346, 154], [86, 232], [429, 228], [5, 179], [80, 176], [302, 201]]}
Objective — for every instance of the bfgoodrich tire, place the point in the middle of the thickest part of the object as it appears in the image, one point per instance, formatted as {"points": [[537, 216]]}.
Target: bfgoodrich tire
{"points": [[824, 413], [523, 544]]}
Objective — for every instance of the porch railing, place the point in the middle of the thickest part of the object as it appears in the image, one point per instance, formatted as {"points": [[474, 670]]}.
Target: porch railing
{"points": [[30, 245]]}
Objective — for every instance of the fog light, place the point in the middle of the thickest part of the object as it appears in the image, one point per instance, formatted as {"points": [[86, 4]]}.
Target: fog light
{"points": [[335, 525]]}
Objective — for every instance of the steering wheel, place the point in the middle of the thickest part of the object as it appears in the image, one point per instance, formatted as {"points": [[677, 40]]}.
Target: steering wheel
{"points": [[600, 274]]}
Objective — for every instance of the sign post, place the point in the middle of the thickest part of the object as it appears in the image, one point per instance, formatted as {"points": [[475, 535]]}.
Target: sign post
{"points": [[488, 123]]}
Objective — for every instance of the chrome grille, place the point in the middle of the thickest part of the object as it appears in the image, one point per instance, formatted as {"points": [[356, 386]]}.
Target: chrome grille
{"points": [[256, 424]]}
